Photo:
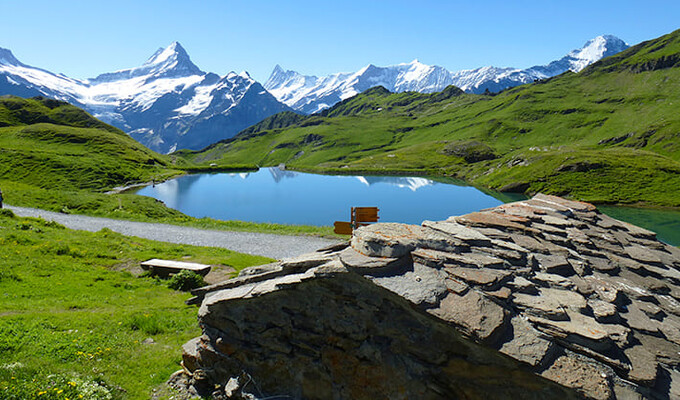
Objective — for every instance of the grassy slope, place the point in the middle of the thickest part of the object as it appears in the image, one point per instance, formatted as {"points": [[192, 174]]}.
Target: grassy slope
{"points": [[70, 312], [56, 157], [608, 134]]}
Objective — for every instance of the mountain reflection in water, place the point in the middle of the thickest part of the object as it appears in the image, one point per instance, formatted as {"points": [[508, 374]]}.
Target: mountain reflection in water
{"points": [[282, 196]]}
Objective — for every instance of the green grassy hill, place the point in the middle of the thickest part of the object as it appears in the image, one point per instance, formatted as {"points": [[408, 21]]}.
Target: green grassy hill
{"points": [[57, 157], [609, 134]]}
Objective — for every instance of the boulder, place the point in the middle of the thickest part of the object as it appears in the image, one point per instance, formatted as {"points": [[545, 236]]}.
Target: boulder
{"points": [[544, 298]]}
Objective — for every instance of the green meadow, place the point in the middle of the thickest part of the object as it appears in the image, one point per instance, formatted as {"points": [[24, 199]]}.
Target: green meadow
{"points": [[76, 319]]}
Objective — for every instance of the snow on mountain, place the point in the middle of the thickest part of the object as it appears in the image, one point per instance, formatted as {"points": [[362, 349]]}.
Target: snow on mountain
{"points": [[167, 103], [310, 94]]}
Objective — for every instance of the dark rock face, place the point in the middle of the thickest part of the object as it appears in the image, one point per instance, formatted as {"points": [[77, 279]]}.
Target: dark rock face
{"points": [[544, 298]]}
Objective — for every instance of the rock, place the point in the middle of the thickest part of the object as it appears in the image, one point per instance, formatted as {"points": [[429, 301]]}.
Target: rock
{"points": [[459, 231], [477, 276], [549, 303], [439, 258], [526, 344], [522, 285], [569, 204], [638, 232], [639, 253], [525, 300], [602, 310], [501, 221], [638, 320], [477, 316], [396, 240], [554, 264], [421, 286], [644, 366], [553, 281], [585, 377], [355, 260], [583, 331]]}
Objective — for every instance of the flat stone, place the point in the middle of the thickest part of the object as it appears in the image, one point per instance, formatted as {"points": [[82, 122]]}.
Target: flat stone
{"points": [[584, 331], [651, 310], [570, 204], [491, 233], [549, 207], [577, 236], [520, 209], [550, 229], [477, 316], [353, 259], [605, 290], [477, 276], [642, 254], [556, 221], [582, 286], [502, 294], [526, 344], [396, 240], [670, 327], [554, 264], [644, 367], [462, 232], [456, 285], [494, 220], [638, 232], [632, 289], [438, 258], [423, 286], [554, 281], [607, 222], [602, 310], [603, 264], [583, 376], [306, 261], [522, 285], [638, 320], [622, 237], [550, 303], [669, 304]]}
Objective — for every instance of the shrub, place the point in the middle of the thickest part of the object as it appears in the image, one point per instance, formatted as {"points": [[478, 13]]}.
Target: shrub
{"points": [[185, 281]]}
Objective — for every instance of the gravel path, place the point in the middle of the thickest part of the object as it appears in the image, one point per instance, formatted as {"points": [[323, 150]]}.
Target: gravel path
{"points": [[263, 244]]}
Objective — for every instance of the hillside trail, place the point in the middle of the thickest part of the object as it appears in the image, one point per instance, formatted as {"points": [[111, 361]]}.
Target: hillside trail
{"points": [[262, 244]]}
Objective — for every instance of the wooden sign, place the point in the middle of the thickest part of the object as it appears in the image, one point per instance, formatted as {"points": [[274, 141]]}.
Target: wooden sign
{"points": [[342, 228], [365, 214]]}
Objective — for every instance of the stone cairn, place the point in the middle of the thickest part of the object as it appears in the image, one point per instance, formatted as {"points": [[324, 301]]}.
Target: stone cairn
{"points": [[539, 299]]}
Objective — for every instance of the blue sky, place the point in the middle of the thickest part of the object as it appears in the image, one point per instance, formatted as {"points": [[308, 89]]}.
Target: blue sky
{"points": [[84, 38]]}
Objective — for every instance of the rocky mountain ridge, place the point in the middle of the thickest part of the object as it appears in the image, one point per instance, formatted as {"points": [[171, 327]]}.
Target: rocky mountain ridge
{"points": [[167, 103], [543, 298], [310, 94]]}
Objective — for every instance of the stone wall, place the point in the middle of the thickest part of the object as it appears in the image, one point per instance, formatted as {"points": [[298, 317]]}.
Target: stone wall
{"points": [[544, 298]]}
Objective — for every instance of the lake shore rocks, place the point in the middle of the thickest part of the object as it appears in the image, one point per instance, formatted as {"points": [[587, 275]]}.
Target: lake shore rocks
{"points": [[542, 298]]}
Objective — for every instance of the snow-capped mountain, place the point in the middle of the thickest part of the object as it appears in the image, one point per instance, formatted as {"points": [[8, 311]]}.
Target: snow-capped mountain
{"points": [[310, 94], [168, 103]]}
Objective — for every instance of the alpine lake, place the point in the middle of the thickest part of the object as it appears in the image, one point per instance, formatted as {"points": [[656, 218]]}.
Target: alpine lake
{"points": [[281, 196]]}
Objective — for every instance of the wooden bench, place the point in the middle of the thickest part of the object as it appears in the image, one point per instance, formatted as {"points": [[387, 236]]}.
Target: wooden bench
{"points": [[360, 216], [168, 267]]}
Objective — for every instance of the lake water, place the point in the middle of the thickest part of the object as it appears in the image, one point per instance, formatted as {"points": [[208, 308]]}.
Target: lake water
{"points": [[287, 197]]}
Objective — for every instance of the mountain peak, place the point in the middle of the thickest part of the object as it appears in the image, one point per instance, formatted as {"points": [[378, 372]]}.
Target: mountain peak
{"points": [[172, 58], [7, 58], [169, 62], [596, 49], [174, 51]]}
